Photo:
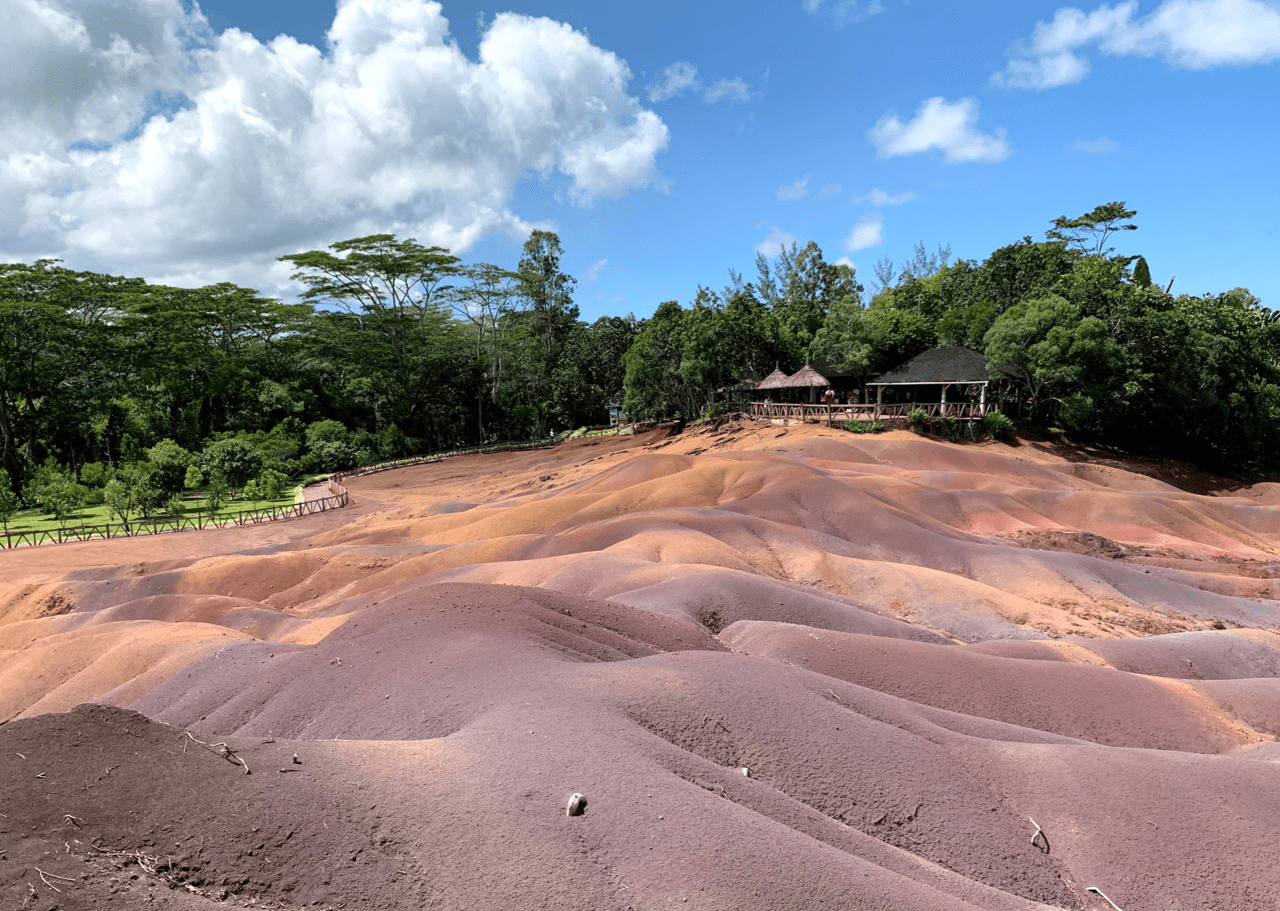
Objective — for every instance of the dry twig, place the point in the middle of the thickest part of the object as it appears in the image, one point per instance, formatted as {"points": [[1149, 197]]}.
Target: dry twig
{"points": [[1039, 833], [1104, 896], [221, 749], [44, 878]]}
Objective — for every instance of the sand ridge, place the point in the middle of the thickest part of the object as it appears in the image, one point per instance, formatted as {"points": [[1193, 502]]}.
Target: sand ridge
{"points": [[912, 648]]}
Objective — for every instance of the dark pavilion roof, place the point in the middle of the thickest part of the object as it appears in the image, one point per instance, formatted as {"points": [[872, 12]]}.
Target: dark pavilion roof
{"points": [[939, 365]]}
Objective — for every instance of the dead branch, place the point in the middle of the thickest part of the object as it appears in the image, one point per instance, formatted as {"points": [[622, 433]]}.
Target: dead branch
{"points": [[1104, 896], [1039, 833], [221, 749], [44, 878]]}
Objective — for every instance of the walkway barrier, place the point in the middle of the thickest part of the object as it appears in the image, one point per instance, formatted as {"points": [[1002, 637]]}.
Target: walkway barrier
{"points": [[336, 500], [376, 467], [832, 414]]}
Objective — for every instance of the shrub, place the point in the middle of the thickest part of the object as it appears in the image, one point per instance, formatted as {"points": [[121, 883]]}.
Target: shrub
{"points": [[864, 426], [9, 502], [169, 466], [93, 474], [999, 425], [271, 484], [119, 499], [61, 497], [175, 506], [332, 456], [234, 460], [918, 416], [326, 432]]}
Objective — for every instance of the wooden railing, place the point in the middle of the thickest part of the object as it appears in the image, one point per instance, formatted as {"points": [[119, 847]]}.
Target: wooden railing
{"points": [[838, 414], [440, 457], [337, 499]]}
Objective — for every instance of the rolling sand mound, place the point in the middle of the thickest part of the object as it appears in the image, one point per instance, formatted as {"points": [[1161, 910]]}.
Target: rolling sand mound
{"points": [[788, 667]]}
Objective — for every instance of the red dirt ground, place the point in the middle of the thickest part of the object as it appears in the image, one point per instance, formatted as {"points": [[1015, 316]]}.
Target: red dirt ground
{"points": [[912, 648]]}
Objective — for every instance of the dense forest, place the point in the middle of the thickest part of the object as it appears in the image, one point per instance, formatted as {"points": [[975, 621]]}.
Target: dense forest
{"points": [[395, 349]]}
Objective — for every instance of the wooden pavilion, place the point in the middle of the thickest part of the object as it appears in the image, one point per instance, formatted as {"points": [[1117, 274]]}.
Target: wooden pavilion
{"points": [[945, 382]]}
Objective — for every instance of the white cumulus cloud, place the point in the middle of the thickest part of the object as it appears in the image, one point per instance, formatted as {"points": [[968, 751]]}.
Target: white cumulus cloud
{"points": [[949, 127], [134, 137], [868, 232], [1192, 34], [772, 245], [594, 270]]}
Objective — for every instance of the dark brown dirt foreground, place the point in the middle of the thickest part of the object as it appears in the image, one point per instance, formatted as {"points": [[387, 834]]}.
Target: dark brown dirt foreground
{"points": [[787, 667]]}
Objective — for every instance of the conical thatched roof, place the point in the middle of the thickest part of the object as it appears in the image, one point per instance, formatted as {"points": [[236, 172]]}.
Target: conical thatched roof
{"points": [[805, 377], [775, 380]]}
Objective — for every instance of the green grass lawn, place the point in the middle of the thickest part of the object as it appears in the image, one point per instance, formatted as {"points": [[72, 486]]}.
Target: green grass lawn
{"points": [[27, 520]]}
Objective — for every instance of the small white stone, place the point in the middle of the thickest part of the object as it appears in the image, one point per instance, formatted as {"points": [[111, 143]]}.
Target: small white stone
{"points": [[577, 805]]}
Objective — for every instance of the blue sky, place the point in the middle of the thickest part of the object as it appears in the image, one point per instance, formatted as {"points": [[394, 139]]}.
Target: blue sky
{"points": [[665, 142]]}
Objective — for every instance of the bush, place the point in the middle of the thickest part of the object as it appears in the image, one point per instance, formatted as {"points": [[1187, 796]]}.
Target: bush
{"points": [[326, 432], [864, 426], [332, 456], [234, 460], [169, 466], [9, 502], [999, 425], [918, 416], [271, 484], [93, 474]]}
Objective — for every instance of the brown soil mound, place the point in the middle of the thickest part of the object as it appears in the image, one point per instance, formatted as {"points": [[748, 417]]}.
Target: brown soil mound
{"points": [[788, 667]]}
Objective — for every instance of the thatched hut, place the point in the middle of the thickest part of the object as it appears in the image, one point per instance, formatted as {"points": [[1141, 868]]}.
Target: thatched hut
{"points": [[806, 378]]}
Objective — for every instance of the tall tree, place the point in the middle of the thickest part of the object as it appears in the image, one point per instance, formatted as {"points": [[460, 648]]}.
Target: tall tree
{"points": [[1088, 233], [553, 314], [58, 354], [397, 294]]}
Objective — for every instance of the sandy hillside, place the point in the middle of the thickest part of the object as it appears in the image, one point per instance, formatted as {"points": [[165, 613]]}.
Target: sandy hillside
{"points": [[789, 668]]}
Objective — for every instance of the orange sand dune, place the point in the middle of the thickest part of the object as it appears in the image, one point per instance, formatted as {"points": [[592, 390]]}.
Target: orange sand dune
{"points": [[789, 667]]}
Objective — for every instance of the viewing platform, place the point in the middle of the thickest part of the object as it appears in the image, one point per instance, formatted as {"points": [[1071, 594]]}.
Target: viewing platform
{"points": [[838, 414]]}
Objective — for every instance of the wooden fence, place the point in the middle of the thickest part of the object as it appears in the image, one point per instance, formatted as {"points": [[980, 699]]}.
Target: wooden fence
{"points": [[336, 500], [838, 414], [440, 457]]}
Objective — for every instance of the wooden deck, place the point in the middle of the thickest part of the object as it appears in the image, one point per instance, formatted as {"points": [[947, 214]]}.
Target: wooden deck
{"points": [[838, 414]]}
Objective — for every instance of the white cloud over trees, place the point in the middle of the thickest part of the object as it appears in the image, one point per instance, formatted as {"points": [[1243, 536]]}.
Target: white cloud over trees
{"points": [[948, 127], [1191, 34], [867, 233], [135, 136]]}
